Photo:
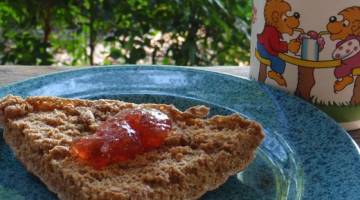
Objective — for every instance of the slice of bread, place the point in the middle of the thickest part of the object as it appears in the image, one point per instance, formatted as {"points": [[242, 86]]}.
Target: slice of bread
{"points": [[198, 156]]}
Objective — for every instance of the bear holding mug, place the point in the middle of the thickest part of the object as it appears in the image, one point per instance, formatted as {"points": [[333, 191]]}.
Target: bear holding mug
{"points": [[311, 51]]}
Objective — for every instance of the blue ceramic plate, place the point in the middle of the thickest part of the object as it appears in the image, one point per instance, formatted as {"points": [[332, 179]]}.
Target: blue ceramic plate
{"points": [[305, 155]]}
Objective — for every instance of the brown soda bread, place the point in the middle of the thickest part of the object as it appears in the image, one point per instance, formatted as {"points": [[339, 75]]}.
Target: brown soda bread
{"points": [[198, 156]]}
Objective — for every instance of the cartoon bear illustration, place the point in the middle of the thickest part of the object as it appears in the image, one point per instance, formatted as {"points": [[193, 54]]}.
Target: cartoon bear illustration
{"points": [[270, 41], [347, 31]]}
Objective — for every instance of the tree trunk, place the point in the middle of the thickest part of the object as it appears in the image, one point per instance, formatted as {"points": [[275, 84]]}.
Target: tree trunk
{"points": [[92, 49], [355, 100], [47, 22], [92, 33], [46, 29], [306, 82], [262, 73], [153, 56], [191, 38]]}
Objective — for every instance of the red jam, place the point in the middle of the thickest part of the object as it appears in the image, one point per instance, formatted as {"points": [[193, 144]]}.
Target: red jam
{"points": [[122, 137]]}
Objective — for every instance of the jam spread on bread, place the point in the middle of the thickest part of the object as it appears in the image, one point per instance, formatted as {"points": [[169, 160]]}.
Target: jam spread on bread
{"points": [[122, 137]]}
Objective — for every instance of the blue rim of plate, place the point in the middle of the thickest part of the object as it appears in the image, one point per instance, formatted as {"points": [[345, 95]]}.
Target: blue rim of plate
{"points": [[316, 156]]}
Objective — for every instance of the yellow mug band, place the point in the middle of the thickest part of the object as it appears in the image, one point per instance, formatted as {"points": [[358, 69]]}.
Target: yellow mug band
{"points": [[302, 63]]}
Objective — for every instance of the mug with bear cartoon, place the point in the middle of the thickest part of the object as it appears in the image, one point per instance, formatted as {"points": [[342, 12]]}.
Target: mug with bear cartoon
{"points": [[311, 49]]}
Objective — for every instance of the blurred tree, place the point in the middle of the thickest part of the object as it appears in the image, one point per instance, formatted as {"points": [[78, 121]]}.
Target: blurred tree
{"points": [[182, 32], [214, 31], [132, 23]]}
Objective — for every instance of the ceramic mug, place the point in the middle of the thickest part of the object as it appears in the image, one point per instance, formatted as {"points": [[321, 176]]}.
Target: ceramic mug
{"points": [[312, 49]]}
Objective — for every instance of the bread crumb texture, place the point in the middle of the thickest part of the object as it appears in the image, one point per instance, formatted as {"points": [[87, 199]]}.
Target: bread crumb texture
{"points": [[198, 156]]}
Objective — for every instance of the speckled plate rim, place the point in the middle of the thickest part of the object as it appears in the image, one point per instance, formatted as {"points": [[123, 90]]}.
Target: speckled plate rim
{"points": [[175, 67], [274, 94]]}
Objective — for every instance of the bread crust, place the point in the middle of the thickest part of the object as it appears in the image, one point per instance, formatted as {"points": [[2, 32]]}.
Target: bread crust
{"points": [[198, 157]]}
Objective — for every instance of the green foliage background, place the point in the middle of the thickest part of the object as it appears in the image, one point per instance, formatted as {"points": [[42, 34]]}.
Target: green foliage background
{"points": [[192, 32]]}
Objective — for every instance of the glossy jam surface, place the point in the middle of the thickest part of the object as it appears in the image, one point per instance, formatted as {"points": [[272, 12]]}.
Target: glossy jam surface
{"points": [[122, 137]]}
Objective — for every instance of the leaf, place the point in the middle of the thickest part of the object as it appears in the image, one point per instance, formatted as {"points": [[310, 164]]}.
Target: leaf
{"points": [[115, 53], [220, 5]]}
